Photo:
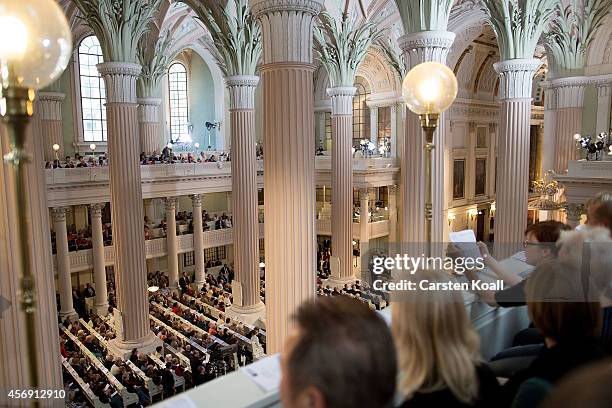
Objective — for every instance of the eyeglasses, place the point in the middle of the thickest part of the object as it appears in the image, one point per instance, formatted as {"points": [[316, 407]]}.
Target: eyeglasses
{"points": [[527, 243]]}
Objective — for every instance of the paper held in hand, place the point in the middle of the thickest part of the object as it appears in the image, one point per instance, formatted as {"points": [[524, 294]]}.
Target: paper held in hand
{"points": [[465, 243]]}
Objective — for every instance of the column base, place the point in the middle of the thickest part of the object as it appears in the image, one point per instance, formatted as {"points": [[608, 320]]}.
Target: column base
{"points": [[198, 285], [101, 309], [339, 283], [71, 315], [123, 349], [247, 314]]}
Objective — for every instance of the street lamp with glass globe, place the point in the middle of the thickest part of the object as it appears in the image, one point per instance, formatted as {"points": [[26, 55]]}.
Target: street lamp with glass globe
{"points": [[35, 47], [428, 90]]}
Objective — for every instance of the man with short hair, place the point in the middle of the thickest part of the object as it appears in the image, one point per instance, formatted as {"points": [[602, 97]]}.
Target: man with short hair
{"points": [[341, 355]]}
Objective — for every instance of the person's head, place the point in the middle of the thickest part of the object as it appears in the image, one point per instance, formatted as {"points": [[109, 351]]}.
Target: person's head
{"points": [[436, 344], [540, 240], [589, 250], [599, 211], [340, 354], [556, 304], [587, 387]]}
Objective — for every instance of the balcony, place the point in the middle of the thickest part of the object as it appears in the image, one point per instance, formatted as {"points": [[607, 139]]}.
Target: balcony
{"points": [[91, 184], [87, 185], [375, 229], [155, 248]]}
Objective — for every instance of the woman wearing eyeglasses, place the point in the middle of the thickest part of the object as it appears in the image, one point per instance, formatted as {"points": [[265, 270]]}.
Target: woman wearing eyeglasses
{"points": [[540, 245]]}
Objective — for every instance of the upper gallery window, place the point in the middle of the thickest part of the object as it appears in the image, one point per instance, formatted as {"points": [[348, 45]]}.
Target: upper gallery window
{"points": [[361, 114], [179, 107], [93, 95]]}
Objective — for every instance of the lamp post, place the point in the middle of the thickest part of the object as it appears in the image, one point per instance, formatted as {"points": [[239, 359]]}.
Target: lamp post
{"points": [[92, 147], [35, 47], [428, 90]]}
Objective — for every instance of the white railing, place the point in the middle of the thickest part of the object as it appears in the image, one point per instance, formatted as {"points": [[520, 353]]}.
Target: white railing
{"points": [[177, 170], [155, 248], [375, 229], [379, 229], [324, 163], [148, 172]]}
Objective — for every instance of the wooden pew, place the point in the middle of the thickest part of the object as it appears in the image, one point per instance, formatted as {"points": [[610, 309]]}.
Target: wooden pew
{"points": [[182, 337], [188, 323], [242, 339], [91, 397], [149, 384], [128, 397], [216, 313]]}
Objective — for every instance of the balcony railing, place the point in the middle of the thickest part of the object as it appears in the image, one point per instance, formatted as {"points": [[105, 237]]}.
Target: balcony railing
{"points": [[148, 172], [375, 229], [155, 248]]}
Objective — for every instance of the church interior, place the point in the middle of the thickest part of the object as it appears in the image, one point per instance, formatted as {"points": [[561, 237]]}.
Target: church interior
{"points": [[305, 203]]}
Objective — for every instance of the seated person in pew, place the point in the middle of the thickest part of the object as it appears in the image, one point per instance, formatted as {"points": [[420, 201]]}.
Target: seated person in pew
{"points": [[359, 343], [587, 387], [438, 350], [568, 322], [597, 269], [589, 252]]}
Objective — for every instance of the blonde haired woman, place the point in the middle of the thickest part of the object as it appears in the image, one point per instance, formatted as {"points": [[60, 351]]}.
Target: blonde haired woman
{"points": [[438, 349]]}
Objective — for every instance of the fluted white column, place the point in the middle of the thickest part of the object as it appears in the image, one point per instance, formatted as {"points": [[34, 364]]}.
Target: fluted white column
{"points": [[149, 209], [394, 129], [51, 123], [570, 100], [516, 77], [247, 304], [63, 263], [287, 77], [342, 183], [604, 103], [97, 241], [374, 127], [171, 242], [550, 127], [364, 220], [422, 47], [132, 319], [320, 126], [392, 214], [149, 126], [198, 239]]}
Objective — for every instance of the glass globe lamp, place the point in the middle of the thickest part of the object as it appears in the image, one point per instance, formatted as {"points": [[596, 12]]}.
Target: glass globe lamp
{"points": [[429, 88], [35, 47], [35, 43]]}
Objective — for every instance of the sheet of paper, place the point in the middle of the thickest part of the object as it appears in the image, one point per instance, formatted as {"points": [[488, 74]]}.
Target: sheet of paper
{"points": [[466, 242], [266, 373]]}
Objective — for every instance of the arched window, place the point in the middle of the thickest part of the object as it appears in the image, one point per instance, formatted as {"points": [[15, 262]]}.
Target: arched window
{"points": [[179, 107], [361, 114], [93, 96]]}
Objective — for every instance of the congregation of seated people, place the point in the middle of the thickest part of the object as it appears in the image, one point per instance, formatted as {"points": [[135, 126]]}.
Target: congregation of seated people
{"points": [[429, 356]]}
